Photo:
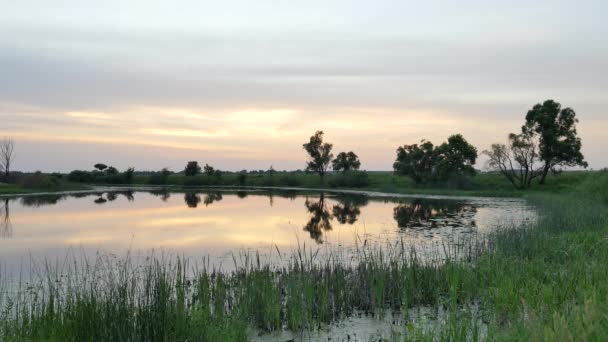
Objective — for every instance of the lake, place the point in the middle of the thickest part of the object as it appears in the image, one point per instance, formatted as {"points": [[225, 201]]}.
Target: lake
{"points": [[217, 223]]}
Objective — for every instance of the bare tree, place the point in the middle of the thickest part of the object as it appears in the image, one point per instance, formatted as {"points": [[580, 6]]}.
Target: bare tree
{"points": [[517, 161], [7, 155]]}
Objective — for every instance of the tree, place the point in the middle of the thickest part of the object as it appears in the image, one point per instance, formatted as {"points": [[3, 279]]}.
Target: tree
{"points": [[320, 155], [100, 166], [416, 161], [128, 175], [7, 156], [209, 170], [456, 157], [112, 171], [427, 163], [559, 144], [346, 162], [516, 161], [192, 169]]}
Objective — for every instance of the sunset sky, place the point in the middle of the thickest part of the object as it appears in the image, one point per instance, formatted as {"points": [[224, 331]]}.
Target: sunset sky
{"points": [[242, 84]]}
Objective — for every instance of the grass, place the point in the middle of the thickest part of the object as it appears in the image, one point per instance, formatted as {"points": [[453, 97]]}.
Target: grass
{"points": [[60, 186], [545, 281], [484, 184]]}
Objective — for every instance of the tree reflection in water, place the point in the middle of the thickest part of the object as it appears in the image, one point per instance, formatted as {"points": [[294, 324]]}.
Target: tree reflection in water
{"points": [[192, 199], [41, 200], [320, 220], [164, 194], [212, 197], [347, 211], [6, 228], [433, 214]]}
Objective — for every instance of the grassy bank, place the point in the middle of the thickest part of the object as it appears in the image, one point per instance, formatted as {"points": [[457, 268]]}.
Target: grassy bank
{"points": [[547, 281], [484, 184], [17, 189]]}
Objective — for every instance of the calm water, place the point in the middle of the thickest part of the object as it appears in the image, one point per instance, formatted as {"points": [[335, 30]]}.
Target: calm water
{"points": [[217, 223]]}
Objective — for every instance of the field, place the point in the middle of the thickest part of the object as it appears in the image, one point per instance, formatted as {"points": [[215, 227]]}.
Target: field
{"points": [[484, 184], [547, 281]]}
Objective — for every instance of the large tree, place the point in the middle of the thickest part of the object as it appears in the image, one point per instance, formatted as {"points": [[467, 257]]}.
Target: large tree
{"points": [[320, 155], [428, 163], [192, 169], [7, 156], [346, 162], [416, 161], [559, 144], [456, 156]]}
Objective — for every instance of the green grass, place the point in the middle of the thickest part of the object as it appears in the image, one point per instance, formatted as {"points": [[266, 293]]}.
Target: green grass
{"points": [[545, 281], [17, 189], [484, 184]]}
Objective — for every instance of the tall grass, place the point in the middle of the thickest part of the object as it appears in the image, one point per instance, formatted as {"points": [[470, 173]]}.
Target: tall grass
{"points": [[545, 281]]}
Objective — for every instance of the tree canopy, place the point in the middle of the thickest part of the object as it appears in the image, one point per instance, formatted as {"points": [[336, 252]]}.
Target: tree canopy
{"points": [[346, 162], [559, 144], [320, 154], [192, 169], [426, 162]]}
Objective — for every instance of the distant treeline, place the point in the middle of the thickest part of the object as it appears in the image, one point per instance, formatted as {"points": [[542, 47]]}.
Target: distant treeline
{"points": [[547, 143]]}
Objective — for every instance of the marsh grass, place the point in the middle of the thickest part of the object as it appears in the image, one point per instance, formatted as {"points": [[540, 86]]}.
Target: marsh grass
{"points": [[547, 280]]}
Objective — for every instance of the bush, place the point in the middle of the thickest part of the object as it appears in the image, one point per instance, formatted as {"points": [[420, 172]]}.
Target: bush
{"points": [[351, 179]]}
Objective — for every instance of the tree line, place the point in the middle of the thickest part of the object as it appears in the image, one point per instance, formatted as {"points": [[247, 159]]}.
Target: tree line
{"points": [[547, 142]]}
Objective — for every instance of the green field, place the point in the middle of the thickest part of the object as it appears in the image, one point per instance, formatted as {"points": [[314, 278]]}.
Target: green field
{"points": [[483, 184], [546, 281]]}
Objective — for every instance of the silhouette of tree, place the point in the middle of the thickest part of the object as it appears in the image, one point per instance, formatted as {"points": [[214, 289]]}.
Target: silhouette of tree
{"points": [[209, 170], [559, 144], [346, 162], [7, 156], [41, 200], [456, 157], [112, 171], [192, 169], [416, 161], [320, 155], [100, 166], [426, 162], [517, 161], [320, 220]]}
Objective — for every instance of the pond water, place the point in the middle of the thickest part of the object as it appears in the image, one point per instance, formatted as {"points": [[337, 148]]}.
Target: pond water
{"points": [[215, 223]]}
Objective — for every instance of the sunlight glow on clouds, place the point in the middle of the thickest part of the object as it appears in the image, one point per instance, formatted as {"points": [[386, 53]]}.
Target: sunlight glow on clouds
{"points": [[243, 85]]}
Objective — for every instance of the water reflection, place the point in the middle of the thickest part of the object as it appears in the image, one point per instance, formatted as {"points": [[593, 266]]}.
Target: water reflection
{"points": [[6, 228], [192, 199], [320, 219], [164, 194], [212, 197], [421, 213], [41, 200], [347, 211]]}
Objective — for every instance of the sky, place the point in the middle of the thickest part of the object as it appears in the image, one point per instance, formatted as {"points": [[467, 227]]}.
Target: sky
{"points": [[243, 84]]}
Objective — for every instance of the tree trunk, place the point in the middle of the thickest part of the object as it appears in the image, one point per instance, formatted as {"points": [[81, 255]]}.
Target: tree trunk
{"points": [[545, 172]]}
